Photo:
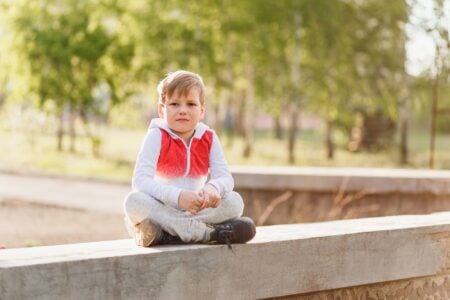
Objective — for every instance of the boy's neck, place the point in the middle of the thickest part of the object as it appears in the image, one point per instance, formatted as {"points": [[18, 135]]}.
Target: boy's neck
{"points": [[188, 139]]}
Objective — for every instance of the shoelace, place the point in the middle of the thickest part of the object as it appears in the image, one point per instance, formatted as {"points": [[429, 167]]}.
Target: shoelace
{"points": [[226, 235]]}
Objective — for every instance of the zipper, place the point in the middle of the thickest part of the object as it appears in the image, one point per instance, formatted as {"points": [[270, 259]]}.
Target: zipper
{"points": [[188, 157], [188, 151]]}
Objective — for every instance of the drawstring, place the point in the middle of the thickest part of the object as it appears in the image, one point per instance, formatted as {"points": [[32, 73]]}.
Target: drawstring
{"points": [[226, 235]]}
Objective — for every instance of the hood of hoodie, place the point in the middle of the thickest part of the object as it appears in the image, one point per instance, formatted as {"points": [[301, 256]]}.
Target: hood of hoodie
{"points": [[159, 123]]}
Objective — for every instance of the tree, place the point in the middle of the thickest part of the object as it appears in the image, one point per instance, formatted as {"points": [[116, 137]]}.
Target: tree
{"points": [[431, 19], [72, 57], [356, 61]]}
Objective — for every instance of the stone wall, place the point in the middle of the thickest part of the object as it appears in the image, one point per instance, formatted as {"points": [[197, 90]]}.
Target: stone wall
{"points": [[379, 258], [432, 287], [427, 287], [294, 195]]}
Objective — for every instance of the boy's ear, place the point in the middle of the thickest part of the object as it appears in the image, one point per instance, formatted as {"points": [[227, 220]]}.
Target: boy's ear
{"points": [[202, 111], [160, 110]]}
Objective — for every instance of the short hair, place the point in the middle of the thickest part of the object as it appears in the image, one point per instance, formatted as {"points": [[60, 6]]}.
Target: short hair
{"points": [[182, 82]]}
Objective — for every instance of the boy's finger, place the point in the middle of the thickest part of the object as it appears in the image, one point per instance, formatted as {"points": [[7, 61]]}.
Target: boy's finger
{"points": [[204, 204], [209, 200], [201, 195]]}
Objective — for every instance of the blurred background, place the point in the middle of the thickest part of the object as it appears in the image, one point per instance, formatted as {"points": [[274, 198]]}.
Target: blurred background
{"points": [[362, 83]]}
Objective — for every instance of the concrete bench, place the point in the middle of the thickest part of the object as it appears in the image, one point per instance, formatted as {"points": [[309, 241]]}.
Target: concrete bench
{"points": [[402, 256]]}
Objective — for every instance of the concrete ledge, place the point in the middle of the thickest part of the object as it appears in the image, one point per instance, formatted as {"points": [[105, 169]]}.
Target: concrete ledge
{"points": [[282, 260], [107, 196], [331, 179]]}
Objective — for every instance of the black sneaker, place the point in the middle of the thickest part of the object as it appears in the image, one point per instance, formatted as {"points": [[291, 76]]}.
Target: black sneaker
{"points": [[168, 239], [236, 231]]}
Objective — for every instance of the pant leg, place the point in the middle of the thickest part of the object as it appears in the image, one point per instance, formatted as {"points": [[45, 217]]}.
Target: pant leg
{"points": [[139, 206], [231, 206]]}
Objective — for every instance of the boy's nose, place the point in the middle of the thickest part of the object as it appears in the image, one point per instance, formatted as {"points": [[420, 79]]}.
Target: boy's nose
{"points": [[182, 109]]}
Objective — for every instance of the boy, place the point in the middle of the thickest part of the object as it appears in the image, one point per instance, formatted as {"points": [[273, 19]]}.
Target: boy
{"points": [[172, 201]]}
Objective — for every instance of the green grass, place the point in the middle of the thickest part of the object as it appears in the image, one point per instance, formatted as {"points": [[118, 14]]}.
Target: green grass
{"points": [[26, 152], [310, 151], [21, 152]]}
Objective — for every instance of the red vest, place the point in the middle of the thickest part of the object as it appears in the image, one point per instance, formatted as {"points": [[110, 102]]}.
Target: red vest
{"points": [[174, 155]]}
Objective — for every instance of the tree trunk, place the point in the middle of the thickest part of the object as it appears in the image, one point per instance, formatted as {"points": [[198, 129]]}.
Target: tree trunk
{"points": [[403, 128], [229, 125], [239, 117], [249, 115], [329, 142], [292, 133], [230, 109], [278, 131], [60, 132], [217, 125], [404, 142], [96, 141], [434, 106], [72, 131], [295, 82]]}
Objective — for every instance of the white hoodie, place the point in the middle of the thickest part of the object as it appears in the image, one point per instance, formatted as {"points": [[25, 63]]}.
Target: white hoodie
{"points": [[162, 173]]}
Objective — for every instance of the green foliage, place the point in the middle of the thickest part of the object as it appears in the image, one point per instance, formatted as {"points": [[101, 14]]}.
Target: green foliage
{"points": [[332, 58], [69, 52]]}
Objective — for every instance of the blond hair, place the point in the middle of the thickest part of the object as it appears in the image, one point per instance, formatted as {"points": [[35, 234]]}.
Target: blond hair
{"points": [[182, 82]]}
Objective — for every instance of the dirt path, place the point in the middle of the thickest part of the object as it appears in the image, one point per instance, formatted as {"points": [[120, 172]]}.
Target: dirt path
{"points": [[38, 210], [88, 194], [24, 224]]}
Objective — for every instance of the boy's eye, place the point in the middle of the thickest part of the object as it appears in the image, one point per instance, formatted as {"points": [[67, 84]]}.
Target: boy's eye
{"points": [[173, 104], [192, 104]]}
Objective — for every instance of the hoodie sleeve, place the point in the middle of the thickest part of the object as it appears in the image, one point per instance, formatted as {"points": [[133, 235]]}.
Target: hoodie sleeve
{"points": [[145, 169], [220, 175]]}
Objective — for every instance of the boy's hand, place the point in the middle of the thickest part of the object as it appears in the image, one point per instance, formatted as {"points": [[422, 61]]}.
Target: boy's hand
{"points": [[211, 196], [191, 201]]}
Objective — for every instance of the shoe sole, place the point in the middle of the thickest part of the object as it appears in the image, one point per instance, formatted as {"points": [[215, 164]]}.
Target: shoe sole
{"points": [[146, 234]]}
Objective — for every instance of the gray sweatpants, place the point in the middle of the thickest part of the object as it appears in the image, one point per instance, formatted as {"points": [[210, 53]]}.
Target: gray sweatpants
{"points": [[139, 206]]}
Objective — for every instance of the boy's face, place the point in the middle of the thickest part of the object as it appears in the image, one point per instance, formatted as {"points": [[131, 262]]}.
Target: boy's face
{"points": [[182, 112]]}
